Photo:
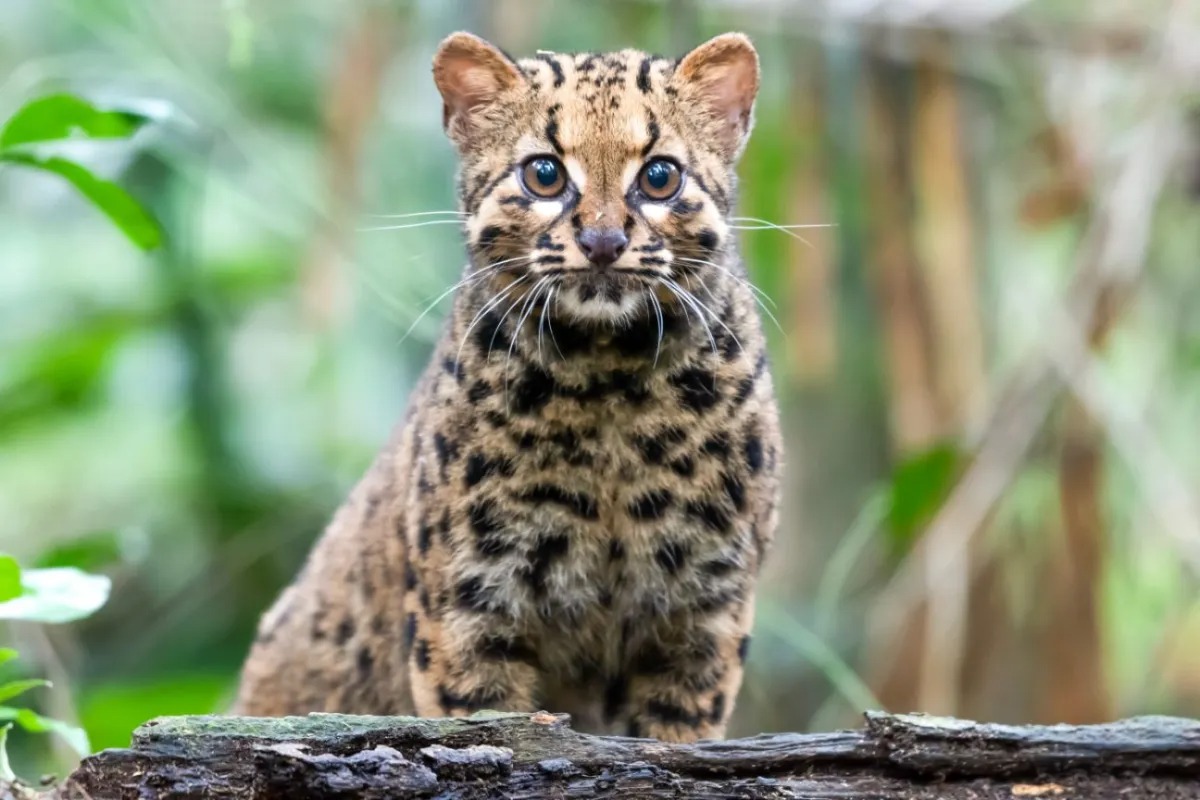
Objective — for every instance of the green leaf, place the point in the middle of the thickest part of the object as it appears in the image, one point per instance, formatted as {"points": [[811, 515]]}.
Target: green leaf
{"points": [[6, 773], [36, 723], [110, 712], [14, 688], [63, 116], [7, 654], [10, 578], [60, 594], [919, 486], [126, 212]]}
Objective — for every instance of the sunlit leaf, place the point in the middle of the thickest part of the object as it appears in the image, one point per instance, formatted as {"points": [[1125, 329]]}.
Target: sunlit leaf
{"points": [[111, 711], [15, 688], [126, 212], [36, 723], [7, 654], [63, 116], [10, 578], [919, 487], [61, 594]]}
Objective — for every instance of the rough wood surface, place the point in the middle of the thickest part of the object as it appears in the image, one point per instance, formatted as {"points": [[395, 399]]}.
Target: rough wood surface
{"points": [[539, 756]]}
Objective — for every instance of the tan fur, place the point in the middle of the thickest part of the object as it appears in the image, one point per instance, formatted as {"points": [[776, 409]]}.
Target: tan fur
{"points": [[574, 511]]}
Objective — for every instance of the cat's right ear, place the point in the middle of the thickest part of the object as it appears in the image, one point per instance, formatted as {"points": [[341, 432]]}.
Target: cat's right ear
{"points": [[470, 73]]}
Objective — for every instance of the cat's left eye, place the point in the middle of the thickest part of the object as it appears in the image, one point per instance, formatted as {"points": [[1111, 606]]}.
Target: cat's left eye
{"points": [[660, 179], [544, 177]]}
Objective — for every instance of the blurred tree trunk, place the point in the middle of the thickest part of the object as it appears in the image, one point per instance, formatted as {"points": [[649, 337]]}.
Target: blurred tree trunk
{"points": [[810, 268], [350, 106]]}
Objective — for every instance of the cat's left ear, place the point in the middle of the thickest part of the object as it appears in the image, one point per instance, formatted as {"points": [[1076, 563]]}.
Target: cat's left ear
{"points": [[722, 74], [470, 73]]}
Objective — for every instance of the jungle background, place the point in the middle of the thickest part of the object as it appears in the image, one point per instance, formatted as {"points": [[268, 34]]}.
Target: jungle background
{"points": [[988, 361]]}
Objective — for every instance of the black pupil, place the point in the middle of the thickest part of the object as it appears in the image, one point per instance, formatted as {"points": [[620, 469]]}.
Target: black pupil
{"points": [[658, 174], [547, 172]]}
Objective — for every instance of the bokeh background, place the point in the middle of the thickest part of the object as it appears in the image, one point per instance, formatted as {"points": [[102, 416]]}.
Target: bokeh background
{"points": [[987, 349]]}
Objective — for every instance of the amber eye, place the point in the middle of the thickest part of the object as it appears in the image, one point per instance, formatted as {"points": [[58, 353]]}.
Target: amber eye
{"points": [[660, 179], [544, 177]]}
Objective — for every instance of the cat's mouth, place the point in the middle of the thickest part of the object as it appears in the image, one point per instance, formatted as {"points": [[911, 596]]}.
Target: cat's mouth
{"points": [[601, 295]]}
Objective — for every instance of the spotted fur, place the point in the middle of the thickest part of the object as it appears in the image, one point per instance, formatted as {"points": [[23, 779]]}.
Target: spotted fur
{"points": [[573, 513]]}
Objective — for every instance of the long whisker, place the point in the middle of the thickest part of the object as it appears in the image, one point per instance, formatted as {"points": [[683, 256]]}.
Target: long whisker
{"points": [[719, 321], [767, 223], [550, 321], [487, 308], [526, 310], [658, 313], [688, 299], [744, 281], [419, 214], [474, 276], [424, 224]]}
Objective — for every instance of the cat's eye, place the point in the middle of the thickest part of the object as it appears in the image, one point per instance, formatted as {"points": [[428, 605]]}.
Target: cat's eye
{"points": [[544, 177], [660, 179]]}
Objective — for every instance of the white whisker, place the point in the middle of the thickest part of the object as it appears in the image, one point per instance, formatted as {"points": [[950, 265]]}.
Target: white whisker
{"points": [[424, 224]]}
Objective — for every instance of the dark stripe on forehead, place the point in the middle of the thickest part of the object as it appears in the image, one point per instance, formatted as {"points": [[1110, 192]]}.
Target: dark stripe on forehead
{"points": [[654, 131], [559, 77], [643, 77], [552, 129]]}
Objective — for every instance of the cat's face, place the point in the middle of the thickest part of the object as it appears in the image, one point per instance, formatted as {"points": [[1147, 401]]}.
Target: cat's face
{"points": [[599, 184]]}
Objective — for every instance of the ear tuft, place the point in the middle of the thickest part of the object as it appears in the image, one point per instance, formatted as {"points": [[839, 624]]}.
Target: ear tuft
{"points": [[722, 74], [469, 72]]}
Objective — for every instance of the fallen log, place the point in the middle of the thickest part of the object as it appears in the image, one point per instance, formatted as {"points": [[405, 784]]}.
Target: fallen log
{"points": [[538, 756]]}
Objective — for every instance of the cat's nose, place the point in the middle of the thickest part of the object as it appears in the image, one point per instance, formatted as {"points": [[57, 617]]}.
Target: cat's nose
{"points": [[602, 246]]}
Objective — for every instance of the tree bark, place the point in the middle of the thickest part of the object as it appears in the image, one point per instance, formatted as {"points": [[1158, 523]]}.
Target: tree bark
{"points": [[539, 756]]}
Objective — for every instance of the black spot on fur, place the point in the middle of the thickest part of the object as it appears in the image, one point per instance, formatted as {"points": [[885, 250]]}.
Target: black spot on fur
{"points": [[345, 631], [472, 596], [489, 334], [503, 648], [453, 368], [446, 450], [488, 237], [654, 131], [713, 516], [472, 701], [650, 660], [616, 692], [697, 388], [718, 708], [655, 446], [684, 466], [478, 392], [671, 557], [744, 390], [720, 567], [736, 491], [643, 76], [480, 467], [410, 630], [366, 663], [743, 649], [421, 654], [533, 391], [552, 135], [545, 242], [707, 239], [616, 550], [754, 453], [717, 446], [651, 505], [580, 504], [547, 550], [555, 67], [672, 714], [410, 576], [424, 538], [718, 600]]}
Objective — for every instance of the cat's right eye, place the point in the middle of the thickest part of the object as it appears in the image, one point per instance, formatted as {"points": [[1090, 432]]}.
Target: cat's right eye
{"points": [[544, 177]]}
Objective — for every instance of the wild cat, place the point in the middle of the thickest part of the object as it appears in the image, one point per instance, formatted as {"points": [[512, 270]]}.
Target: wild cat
{"points": [[573, 512]]}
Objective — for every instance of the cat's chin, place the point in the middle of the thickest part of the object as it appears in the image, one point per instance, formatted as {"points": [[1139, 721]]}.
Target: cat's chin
{"points": [[600, 302]]}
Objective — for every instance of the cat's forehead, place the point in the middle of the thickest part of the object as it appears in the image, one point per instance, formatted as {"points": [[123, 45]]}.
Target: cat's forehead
{"points": [[594, 99]]}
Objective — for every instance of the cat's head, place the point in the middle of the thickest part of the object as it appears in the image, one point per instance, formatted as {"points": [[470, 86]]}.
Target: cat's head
{"points": [[597, 180]]}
